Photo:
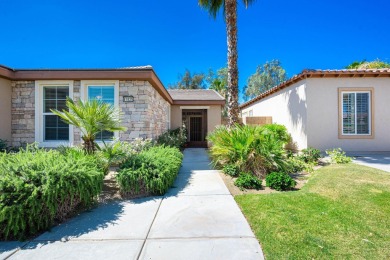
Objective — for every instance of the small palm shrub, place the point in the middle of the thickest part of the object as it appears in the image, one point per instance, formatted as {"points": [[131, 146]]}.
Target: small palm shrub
{"points": [[310, 155], [174, 138], [39, 188], [248, 181], [252, 148], [91, 117], [280, 181], [115, 152], [338, 156], [151, 171], [231, 169]]}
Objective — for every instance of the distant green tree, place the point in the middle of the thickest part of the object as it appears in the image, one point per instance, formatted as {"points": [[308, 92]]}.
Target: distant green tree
{"points": [[375, 64], [219, 82], [266, 77], [189, 81]]}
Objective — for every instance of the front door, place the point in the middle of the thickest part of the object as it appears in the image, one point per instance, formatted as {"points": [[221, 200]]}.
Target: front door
{"points": [[196, 124], [195, 129]]}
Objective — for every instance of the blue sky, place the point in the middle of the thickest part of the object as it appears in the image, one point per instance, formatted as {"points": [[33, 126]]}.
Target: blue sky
{"points": [[175, 35]]}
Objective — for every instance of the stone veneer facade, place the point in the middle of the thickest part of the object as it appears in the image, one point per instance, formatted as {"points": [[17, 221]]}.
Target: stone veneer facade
{"points": [[146, 117], [23, 112]]}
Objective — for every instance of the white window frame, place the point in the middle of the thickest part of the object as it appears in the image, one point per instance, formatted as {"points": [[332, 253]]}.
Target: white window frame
{"points": [[84, 84], [369, 112], [39, 128]]}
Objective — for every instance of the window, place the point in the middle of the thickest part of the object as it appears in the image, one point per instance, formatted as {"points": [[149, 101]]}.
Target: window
{"points": [[50, 130], [356, 113], [250, 112], [105, 94], [54, 129]]}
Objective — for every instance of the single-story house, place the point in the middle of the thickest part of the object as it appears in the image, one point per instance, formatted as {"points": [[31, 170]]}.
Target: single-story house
{"points": [[328, 109], [27, 95]]}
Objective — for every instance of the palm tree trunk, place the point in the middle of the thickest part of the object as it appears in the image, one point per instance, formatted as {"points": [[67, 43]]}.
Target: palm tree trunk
{"points": [[89, 145], [231, 30]]}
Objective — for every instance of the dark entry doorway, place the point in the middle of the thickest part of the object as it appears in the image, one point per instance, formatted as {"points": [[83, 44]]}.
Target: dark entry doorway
{"points": [[196, 124]]}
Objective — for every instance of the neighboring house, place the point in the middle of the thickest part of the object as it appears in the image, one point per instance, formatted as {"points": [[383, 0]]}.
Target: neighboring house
{"points": [[327, 109], [27, 95]]}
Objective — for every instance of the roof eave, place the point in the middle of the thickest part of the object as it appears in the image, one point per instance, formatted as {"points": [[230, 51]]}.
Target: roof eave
{"points": [[144, 74], [199, 102], [318, 74]]}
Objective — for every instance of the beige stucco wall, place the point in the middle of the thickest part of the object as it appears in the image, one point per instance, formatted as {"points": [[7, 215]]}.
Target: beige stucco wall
{"points": [[176, 118], [5, 109], [286, 107], [213, 116], [322, 116]]}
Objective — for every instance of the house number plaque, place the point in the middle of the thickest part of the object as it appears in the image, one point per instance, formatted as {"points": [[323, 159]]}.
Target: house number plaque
{"points": [[128, 98]]}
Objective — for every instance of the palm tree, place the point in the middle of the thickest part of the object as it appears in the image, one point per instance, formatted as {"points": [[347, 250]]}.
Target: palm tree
{"points": [[230, 11], [91, 118]]}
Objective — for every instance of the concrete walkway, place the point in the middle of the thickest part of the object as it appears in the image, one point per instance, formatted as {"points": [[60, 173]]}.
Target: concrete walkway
{"points": [[378, 160], [196, 219]]}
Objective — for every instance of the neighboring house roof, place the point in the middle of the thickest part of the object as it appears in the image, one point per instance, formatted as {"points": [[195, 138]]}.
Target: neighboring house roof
{"points": [[308, 73], [144, 73], [201, 96]]}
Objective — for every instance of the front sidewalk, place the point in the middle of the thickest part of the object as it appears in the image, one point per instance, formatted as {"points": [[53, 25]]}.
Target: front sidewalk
{"points": [[197, 219]]}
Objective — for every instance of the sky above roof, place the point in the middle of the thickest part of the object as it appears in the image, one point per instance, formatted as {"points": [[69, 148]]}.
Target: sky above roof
{"points": [[176, 35]]}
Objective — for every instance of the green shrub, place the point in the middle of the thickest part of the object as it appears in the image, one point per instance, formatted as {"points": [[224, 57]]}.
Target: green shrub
{"points": [[252, 148], [151, 171], [297, 164], [113, 153], [138, 145], [174, 138], [231, 169], [39, 188], [278, 131], [338, 156], [3, 145], [310, 155], [248, 181], [280, 181]]}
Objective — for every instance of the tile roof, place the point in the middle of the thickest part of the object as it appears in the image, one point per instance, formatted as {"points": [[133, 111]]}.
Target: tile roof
{"points": [[147, 67], [318, 73], [195, 94]]}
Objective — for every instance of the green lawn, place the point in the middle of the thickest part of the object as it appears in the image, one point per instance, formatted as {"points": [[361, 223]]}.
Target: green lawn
{"points": [[343, 212]]}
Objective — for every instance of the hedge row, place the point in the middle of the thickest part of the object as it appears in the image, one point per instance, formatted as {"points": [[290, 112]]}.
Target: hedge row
{"points": [[39, 188], [151, 171]]}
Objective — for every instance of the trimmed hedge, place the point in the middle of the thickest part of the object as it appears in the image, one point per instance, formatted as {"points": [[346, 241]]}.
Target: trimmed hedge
{"points": [[151, 171], [39, 188]]}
